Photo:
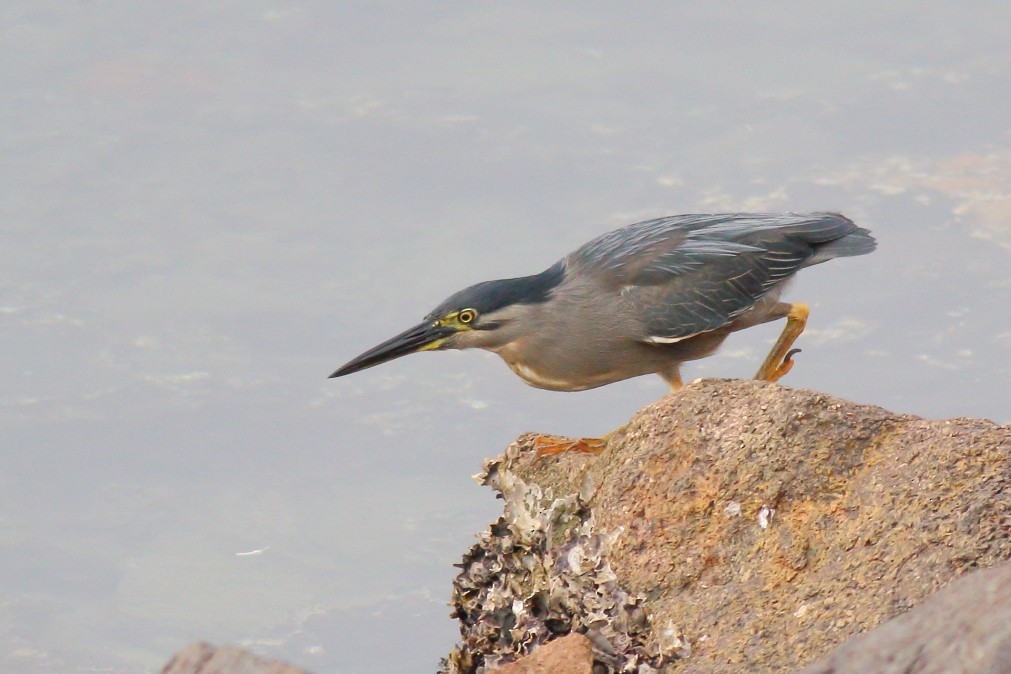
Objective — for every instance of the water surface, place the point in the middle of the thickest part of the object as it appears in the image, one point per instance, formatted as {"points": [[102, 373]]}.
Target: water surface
{"points": [[207, 207]]}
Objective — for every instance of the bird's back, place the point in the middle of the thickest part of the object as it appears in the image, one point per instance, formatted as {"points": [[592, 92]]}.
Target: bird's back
{"points": [[663, 240], [688, 274]]}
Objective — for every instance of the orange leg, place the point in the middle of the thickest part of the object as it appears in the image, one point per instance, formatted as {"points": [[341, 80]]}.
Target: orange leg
{"points": [[780, 358], [556, 444]]}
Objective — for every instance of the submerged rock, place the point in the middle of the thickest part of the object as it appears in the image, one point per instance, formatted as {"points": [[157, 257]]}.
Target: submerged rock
{"points": [[732, 526], [203, 658]]}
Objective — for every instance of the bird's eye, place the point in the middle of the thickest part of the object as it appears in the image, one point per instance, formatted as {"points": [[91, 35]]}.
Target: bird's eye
{"points": [[466, 316]]}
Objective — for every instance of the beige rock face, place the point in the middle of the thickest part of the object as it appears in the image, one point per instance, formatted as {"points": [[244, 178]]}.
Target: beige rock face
{"points": [[754, 527]]}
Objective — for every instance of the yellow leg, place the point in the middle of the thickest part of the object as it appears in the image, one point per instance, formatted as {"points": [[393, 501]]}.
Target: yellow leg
{"points": [[780, 358], [673, 379]]}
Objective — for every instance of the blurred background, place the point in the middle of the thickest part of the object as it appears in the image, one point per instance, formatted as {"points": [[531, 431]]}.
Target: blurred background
{"points": [[209, 206]]}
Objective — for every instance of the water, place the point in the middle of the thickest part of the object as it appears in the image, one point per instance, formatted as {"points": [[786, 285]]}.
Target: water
{"points": [[207, 207]]}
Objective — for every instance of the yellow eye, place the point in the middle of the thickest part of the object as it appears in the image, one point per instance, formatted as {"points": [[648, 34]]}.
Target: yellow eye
{"points": [[466, 316]]}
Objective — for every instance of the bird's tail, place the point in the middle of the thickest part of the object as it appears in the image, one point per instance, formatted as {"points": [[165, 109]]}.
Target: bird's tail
{"points": [[857, 241]]}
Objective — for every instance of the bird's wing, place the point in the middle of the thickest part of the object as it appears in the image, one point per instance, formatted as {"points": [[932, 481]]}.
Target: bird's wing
{"points": [[689, 274]]}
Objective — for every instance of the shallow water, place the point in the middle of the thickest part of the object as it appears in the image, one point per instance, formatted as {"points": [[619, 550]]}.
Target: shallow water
{"points": [[208, 207]]}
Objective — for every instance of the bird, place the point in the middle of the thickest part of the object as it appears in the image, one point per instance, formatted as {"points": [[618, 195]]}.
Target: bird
{"points": [[642, 299]]}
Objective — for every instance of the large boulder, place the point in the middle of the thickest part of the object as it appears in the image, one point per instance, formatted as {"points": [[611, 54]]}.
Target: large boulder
{"points": [[732, 526]]}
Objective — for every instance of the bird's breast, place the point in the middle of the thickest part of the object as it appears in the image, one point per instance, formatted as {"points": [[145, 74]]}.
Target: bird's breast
{"points": [[545, 381], [543, 371]]}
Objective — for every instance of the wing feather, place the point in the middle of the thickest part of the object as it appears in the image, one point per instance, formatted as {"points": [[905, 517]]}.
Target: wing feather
{"points": [[687, 274]]}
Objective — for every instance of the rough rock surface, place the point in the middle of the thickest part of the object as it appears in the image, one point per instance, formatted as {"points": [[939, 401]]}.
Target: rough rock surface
{"points": [[203, 658], [963, 629], [732, 526]]}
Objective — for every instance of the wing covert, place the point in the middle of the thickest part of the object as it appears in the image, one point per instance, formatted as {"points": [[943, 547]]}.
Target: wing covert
{"points": [[689, 274]]}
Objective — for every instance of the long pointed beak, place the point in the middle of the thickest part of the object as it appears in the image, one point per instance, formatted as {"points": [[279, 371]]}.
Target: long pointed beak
{"points": [[423, 335]]}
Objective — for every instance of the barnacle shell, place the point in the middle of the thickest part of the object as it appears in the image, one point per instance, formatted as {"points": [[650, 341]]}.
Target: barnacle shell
{"points": [[540, 572]]}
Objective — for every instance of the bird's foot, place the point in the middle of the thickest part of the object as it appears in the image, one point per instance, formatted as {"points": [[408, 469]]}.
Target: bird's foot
{"points": [[556, 444], [783, 368], [780, 358]]}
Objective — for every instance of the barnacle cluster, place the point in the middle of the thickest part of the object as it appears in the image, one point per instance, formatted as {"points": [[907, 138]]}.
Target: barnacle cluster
{"points": [[538, 573]]}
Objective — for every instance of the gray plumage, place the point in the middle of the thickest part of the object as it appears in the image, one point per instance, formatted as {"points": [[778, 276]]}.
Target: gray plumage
{"points": [[644, 298], [687, 274]]}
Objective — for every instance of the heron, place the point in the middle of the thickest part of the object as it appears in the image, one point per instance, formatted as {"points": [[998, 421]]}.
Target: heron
{"points": [[639, 300]]}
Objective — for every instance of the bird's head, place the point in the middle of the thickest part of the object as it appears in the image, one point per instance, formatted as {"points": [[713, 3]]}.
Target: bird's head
{"points": [[487, 315]]}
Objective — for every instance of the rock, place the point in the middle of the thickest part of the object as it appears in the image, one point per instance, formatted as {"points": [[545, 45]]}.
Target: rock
{"points": [[731, 526], [963, 629], [569, 655], [204, 658]]}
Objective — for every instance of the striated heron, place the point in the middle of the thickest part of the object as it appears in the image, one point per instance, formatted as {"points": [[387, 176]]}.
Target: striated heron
{"points": [[641, 299]]}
